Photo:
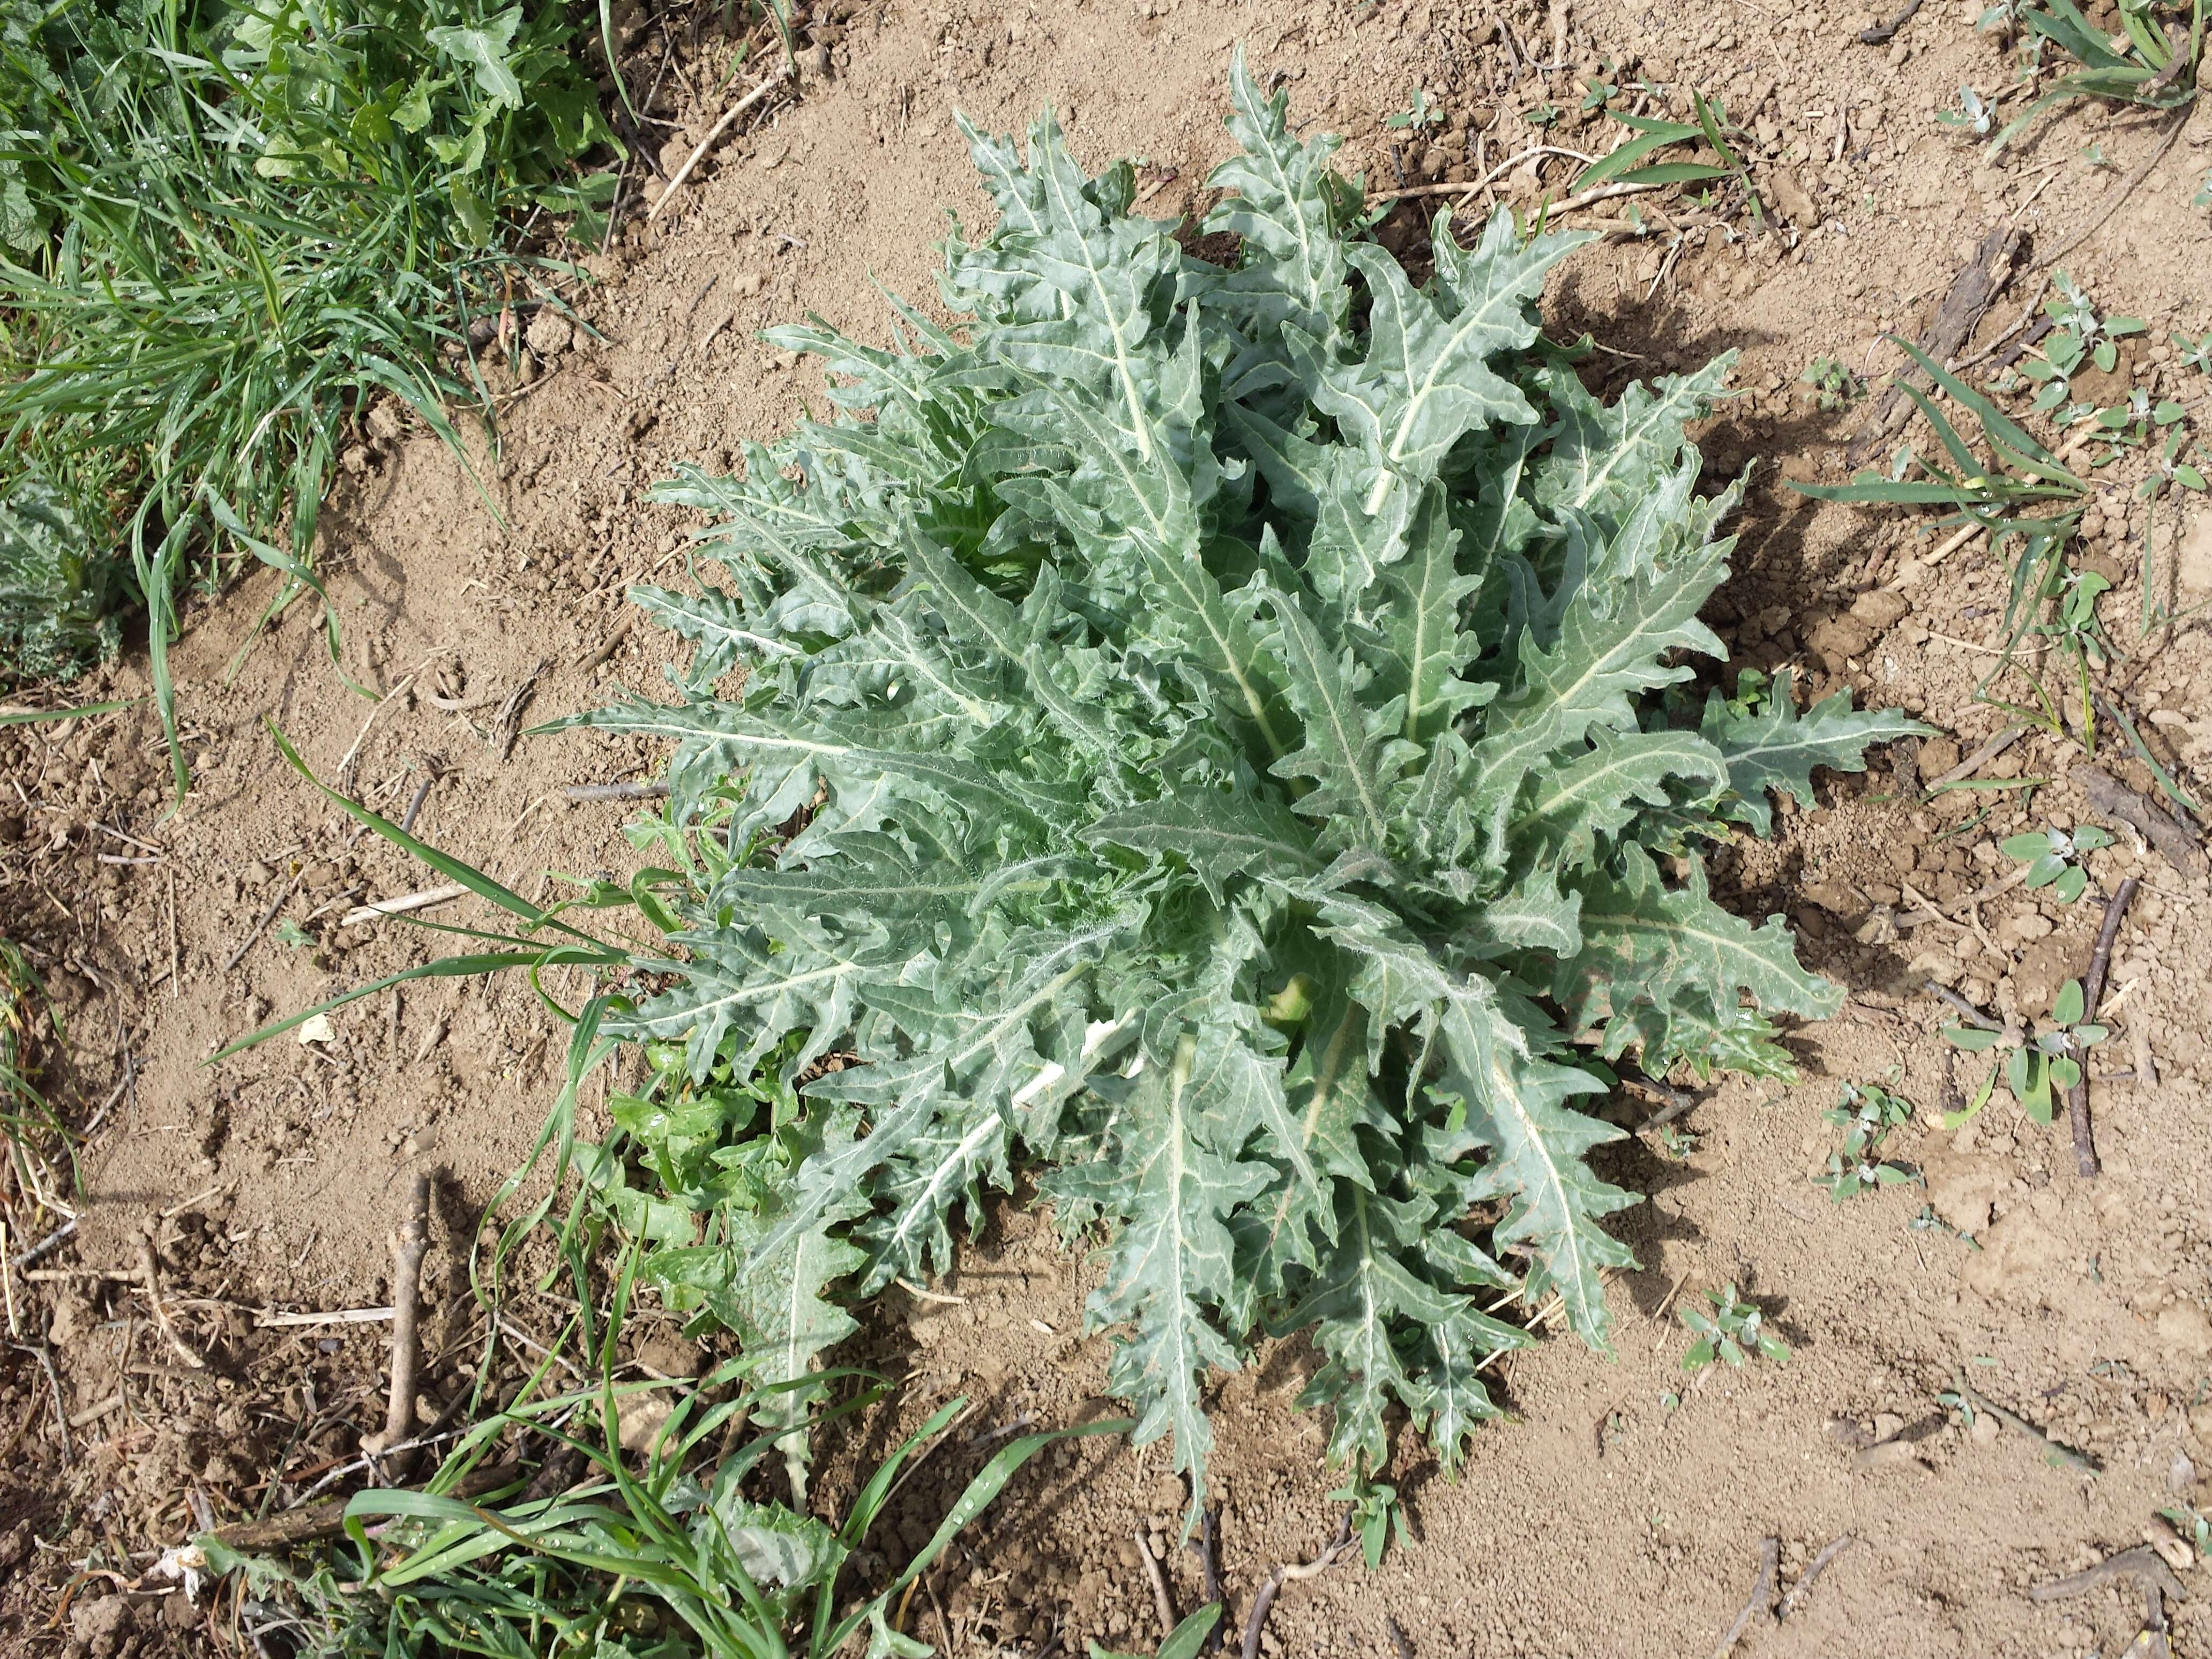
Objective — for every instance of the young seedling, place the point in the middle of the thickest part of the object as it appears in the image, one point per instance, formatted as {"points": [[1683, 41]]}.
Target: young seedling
{"points": [[2168, 470], [2194, 354], [2034, 1063], [1832, 385], [2054, 857], [1928, 1222], [1629, 164], [1186, 1641], [1733, 1333], [2081, 336], [1868, 1113], [1375, 1515], [1421, 114], [2193, 1529], [1972, 114], [2029, 502]]}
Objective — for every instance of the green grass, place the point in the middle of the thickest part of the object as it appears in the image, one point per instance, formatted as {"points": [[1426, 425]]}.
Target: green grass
{"points": [[2145, 64], [226, 231], [2031, 504], [683, 1549]]}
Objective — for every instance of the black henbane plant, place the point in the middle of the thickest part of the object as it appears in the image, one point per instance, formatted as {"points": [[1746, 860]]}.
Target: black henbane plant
{"points": [[1213, 719]]}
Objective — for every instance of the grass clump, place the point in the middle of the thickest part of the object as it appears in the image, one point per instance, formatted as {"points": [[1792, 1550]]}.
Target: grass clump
{"points": [[2151, 63], [681, 1549], [224, 229]]}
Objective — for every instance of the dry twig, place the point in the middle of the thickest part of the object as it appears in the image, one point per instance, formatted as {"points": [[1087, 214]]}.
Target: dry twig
{"points": [[1974, 762], [326, 1520], [150, 1278], [1163, 1603], [401, 905], [2052, 1451], [712, 133], [587, 791], [1762, 1597], [1264, 1600], [1972, 293], [262, 925], [2104, 213], [2112, 799], [507, 724], [1819, 1564], [2141, 1563], [408, 1245], [1881, 33]]}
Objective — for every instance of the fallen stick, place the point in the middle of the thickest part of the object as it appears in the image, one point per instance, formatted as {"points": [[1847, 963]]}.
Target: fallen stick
{"points": [[45, 1247], [1937, 910], [269, 1319], [1881, 33], [615, 792], [2142, 1563], [150, 1278], [2052, 1451], [2112, 799], [1762, 1597], [2102, 214], [2092, 996], [1163, 1603], [1974, 762], [1208, 1544], [1264, 1602], [712, 133], [260, 927], [408, 1245], [1972, 293], [1819, 1564]]}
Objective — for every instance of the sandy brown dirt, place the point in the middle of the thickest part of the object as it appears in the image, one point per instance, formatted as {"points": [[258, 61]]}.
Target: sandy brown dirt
{"points": [[1607, 1517]]}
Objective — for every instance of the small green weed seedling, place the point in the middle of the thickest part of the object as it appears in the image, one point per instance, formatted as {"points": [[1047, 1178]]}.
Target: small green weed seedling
{"points": [[2031, 505], [1376, 1515], [2144, 64], [1187, 1640], [1733, 1333], [2168, 470], [2054, 856], [1629, 164], [1972, 115], [2081, 336], [1928, 1222], [1831, 385], [1421, 114], [2034, 1063], [1868, 1113], [2194, 1529]]}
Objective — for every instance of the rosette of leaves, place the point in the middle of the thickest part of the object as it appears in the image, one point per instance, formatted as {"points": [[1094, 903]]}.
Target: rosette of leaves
{"points": [[2036, 1063], [1868, 1114], [1204, 742]]}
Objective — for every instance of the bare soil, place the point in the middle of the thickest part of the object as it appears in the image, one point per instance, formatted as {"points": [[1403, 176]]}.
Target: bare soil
{"points": [[1620, 1507]]}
